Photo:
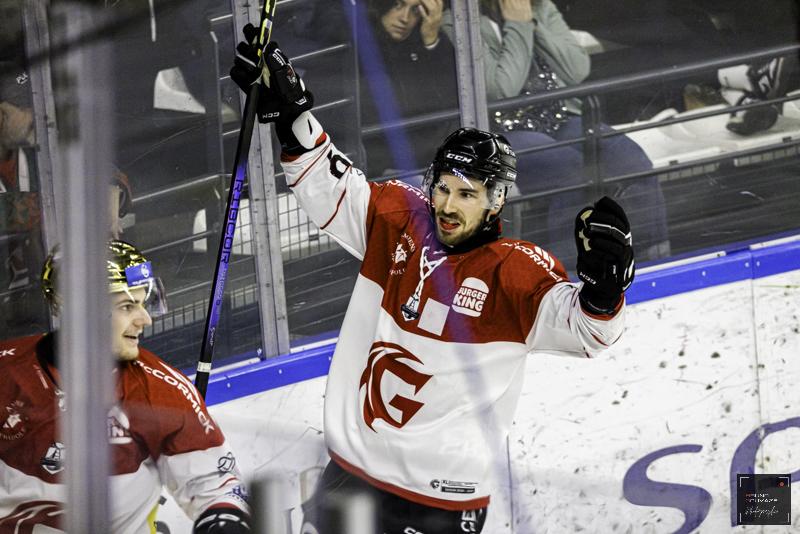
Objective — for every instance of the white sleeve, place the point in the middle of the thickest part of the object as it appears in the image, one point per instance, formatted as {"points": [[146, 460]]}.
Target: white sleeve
{"points": [[563, 327], [201, 479], [332, 193]]}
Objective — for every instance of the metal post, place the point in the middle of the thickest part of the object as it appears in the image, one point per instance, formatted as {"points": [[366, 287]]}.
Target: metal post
{"points": [[264, 217], [360, 151], [268, 515], [591, 147], [37, 40], [84, 352], [358, 513], [469, 64]]}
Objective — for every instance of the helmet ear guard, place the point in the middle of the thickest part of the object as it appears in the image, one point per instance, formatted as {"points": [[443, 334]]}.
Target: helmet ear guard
{"points": [[497, 195]]}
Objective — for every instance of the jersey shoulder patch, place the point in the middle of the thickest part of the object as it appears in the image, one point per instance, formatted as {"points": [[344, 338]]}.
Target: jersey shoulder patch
{"points": [[396, 203], [400, 196], [168, 391], [526, 255], [165, 381]]}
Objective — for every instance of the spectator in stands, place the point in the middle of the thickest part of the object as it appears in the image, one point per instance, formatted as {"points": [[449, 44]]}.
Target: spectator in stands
{"points": [[528, 48], [19, 208], [401, 47], [21, 250]]}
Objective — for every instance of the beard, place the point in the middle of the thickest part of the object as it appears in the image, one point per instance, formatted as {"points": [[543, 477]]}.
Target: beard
{"points": [[452, 229]]}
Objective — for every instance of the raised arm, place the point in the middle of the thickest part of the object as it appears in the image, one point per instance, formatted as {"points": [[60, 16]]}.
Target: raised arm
{"points": [[583, 320], [333, 194]]}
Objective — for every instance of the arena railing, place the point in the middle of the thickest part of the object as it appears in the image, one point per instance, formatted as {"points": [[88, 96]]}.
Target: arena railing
{"points": [[588, 93]]}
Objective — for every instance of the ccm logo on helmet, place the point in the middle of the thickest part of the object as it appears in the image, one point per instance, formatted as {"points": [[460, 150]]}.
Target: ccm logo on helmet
{"points": [[458, 157]]}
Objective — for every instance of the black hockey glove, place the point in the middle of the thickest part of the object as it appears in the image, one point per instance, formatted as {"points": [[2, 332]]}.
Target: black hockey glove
{"points": [[605, 255], [284, 96], [223, 520]]}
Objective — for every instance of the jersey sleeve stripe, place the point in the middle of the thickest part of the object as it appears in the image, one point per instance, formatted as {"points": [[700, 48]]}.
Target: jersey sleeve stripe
{"points": [[338, 203], [322, 154], [600, 340]]}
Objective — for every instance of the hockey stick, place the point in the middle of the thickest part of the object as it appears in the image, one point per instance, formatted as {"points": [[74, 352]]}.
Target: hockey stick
{"points": [[232, 211]]}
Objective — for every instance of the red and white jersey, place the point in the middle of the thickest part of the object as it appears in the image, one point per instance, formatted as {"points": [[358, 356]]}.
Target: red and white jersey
{"points": [[420, 406], [159, 431]]}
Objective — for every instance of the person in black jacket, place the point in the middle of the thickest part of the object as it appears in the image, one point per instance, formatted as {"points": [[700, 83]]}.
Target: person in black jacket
{"points": [[407, 69]]}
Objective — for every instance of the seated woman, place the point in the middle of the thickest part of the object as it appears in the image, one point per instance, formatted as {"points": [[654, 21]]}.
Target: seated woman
{"points": [[528, 48], [407, 69]]}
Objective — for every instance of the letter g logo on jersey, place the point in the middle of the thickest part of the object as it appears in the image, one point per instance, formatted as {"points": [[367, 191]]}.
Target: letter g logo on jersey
{"points": [[385, 357]]}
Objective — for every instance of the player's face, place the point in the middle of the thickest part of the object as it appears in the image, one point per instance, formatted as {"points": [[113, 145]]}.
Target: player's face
{"points": [[401, 19], [460, 208], [128, 319]]}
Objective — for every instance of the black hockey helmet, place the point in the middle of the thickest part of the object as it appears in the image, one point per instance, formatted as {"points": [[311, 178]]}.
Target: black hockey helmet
{"points": [[480, 155], [477, 154]]}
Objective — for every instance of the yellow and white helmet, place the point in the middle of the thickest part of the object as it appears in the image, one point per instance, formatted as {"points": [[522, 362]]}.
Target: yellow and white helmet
{"points": [[127, 269]]}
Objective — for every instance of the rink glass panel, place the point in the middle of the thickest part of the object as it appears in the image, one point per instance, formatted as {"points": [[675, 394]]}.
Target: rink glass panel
{"points": [[702, 192], [177, 119], [22, 309], [361, 86]]}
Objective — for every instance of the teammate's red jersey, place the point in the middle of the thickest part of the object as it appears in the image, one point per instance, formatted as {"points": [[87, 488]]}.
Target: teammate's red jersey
{"points": [[159, 431]]}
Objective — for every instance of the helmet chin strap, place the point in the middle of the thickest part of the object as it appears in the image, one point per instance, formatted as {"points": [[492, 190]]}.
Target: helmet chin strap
{"points": [[488, 218]]}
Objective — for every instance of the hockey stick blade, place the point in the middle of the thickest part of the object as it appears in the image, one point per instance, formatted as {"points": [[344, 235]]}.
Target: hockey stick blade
{"points": [[231, 212]]}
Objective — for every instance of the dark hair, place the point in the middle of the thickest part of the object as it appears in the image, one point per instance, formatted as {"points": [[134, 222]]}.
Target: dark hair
{"points": [[378, 8]]}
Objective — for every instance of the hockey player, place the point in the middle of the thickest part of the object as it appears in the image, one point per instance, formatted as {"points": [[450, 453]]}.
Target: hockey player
{"points": [[159, 431], [429, 364]]}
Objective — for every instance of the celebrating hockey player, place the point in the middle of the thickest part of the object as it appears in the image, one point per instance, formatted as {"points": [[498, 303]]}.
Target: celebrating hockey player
{"points": [[159, 430], [429, 363]]}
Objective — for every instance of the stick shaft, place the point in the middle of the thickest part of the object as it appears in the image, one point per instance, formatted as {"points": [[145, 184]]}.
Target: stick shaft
{"points": [[231, 213]]}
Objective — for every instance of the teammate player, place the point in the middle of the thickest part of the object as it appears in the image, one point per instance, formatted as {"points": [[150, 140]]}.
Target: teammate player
{"points": [[429, 363], [159, 430]]}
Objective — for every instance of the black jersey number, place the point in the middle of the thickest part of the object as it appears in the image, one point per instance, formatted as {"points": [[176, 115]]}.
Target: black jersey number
{"points": [[338, 164]]}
